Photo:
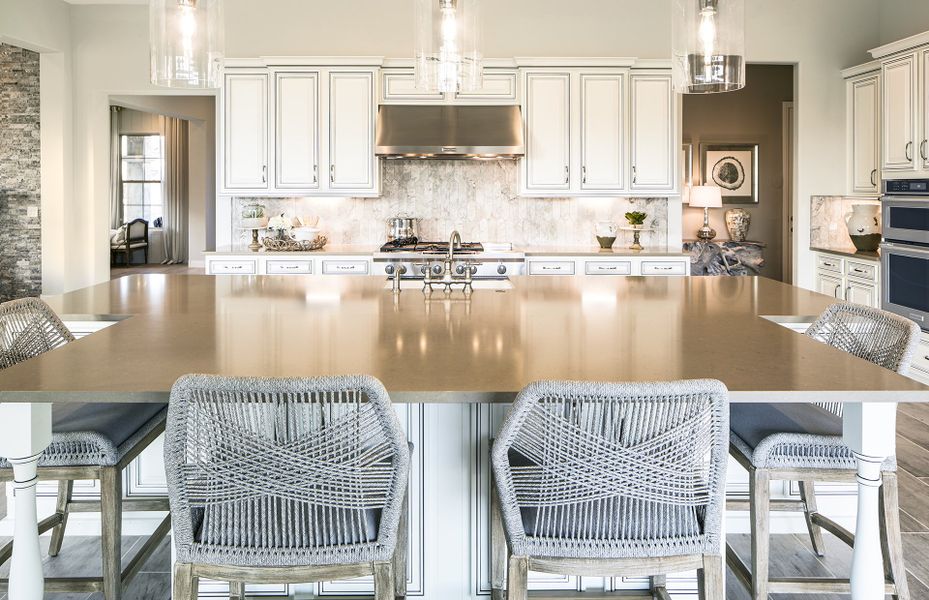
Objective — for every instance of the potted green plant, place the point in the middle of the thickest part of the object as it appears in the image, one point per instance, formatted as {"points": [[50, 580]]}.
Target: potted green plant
{"points": [[636, 218]]}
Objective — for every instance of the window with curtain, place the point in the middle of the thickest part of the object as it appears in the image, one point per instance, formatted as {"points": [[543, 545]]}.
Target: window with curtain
{"points": [[142, 158]]}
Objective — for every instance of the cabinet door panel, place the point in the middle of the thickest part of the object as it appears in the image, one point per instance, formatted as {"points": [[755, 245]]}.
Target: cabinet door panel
{"points": [[924, 138], [863, 122], [498, 87], [899, 112], [245, 144], [862, 293], [602, 132], [829, 285], [654, 153], [351, 131], [297, 131], [548, 125]]}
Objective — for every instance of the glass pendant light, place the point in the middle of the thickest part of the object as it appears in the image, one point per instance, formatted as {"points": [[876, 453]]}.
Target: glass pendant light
{"points": [[187, 43], [708, 45], [448, 55]]}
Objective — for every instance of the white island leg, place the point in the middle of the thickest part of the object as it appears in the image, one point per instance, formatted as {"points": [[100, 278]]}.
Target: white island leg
{"points": [[869, 429], [25, 431]]}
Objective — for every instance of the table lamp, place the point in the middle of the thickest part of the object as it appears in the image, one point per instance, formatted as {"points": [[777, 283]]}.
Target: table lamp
{"points": [[706, 197]]}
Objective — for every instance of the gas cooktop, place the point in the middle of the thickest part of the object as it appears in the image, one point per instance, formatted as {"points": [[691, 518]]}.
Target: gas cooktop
{"points": [[414, 245]]}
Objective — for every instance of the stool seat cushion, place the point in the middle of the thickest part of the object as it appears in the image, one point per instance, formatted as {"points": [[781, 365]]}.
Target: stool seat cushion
{"points": [[97, 434], [791, 436]]}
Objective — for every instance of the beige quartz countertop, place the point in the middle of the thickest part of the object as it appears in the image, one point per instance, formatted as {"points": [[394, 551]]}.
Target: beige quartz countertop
{"points": [[330, 249], [482, 348], [851, 252], [597, 252]]}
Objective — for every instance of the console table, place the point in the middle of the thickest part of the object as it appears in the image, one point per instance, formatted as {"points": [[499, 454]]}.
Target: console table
{"points": [[725, 257]]}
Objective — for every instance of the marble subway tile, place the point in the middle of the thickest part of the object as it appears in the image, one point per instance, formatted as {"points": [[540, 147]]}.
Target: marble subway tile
{"points": [[479, 199]]}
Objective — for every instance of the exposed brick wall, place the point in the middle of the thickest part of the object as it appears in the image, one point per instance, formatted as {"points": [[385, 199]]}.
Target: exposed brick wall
{"points": [[20, 235]]}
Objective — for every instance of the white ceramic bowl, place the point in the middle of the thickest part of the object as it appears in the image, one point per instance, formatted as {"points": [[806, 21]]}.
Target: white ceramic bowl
{"points": [[304, 234]]}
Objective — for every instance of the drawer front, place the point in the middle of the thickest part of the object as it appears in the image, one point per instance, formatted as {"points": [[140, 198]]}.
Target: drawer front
{"points": [[599, 267], [551, 267], [829, 263], [345, 267], [289, 267], [233, 267], [859, 270], [664, 267]]}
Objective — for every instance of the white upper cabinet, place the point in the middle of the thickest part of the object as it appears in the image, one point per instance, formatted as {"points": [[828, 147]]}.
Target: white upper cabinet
{"points": [[245, 132], [352, 113], [924, 139], [315, 126], [603, 131], [599, 131], [296, 130], [863, 111], [398, 86], [654, 151], [546, 168], [900, 113]]}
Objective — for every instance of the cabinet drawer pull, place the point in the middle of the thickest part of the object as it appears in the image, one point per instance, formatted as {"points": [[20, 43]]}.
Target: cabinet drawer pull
{"points": [[873, 174], [315, 173], [634, 174], [584, 174], [837, 288], [922, 149], [567, 175], [828, 264], [264, 174], [909, 146], [332, 173]]}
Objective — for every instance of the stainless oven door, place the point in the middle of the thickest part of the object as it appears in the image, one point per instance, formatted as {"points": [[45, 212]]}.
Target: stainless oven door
{"points": [[905, 219], [905, 281]]}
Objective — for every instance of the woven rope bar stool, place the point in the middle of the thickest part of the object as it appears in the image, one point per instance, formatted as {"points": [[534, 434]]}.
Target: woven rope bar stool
{"points": [[89, 442], [803, 443], [286, 481], [613, 479]]}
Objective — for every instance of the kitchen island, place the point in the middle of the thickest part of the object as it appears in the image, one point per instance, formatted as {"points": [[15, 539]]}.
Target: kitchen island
{"points": [[450, 355]]}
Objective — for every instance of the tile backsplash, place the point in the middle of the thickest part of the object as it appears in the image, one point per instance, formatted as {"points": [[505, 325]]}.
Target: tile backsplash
{"points": [[479, 199], [827, 221]]}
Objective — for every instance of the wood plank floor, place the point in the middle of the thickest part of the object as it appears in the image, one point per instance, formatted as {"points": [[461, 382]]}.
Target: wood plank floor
{"points": [[790, 554]]}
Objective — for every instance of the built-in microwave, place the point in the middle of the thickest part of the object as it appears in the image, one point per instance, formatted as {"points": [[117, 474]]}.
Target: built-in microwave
{"points": [[905, 219]]}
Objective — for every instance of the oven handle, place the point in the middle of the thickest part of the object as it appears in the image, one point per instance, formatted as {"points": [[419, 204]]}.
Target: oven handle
{"points": [[899, 248]]}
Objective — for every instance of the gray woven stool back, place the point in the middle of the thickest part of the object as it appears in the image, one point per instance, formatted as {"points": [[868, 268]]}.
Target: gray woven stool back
{"points": [[614, 470], [284, 472], [883, 338], [29, 327]]}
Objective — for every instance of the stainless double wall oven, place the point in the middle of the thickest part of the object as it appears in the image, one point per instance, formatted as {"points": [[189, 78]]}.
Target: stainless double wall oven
{"points": [[905, 251]]}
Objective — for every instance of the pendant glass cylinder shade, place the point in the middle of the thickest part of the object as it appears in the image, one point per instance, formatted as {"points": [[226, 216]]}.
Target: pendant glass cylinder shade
{"points": [[708, 45], [448, 45], [187, 43]]}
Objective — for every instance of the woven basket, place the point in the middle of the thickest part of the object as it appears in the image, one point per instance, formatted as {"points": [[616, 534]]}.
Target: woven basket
{"points": [[292, 245]]}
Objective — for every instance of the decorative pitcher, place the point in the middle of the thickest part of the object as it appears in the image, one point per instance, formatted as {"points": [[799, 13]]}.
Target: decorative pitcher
{"points": [[864, 226]]}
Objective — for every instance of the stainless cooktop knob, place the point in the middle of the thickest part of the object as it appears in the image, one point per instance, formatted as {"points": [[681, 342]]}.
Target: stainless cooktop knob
{"points": [[390, 269], [460, 269], [422, 270], [436, 269], [501, 269]]}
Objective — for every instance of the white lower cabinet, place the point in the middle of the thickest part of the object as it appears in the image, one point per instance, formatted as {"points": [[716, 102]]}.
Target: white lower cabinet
{"points": [[920, 366], [263, 263], [851, 280], [634, 265]]}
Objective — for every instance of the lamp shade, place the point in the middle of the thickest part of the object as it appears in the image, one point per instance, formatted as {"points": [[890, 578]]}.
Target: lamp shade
{"points": [[706, 196], [708, 45], [187, 43], [448, 45]]}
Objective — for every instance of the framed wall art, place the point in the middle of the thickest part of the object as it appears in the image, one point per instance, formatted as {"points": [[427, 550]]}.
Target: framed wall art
{"points": [[734, 168]]}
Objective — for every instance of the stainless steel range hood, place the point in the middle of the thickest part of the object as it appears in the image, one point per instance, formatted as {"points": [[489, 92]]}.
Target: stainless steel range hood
{"points": [[450, 132]]}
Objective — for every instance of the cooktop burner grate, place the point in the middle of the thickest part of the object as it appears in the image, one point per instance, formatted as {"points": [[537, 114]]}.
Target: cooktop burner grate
{"points": [[414, 245]]}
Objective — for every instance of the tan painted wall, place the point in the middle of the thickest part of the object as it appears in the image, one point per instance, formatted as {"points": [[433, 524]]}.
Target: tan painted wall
{"points": [[751, 115]]}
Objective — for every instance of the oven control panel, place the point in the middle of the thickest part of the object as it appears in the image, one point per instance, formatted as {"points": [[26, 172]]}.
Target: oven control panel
{"points": [[909, 187]]}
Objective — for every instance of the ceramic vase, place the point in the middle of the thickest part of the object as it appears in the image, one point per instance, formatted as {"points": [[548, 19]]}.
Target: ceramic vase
{"points": [[864, 226], [738, 220]]}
